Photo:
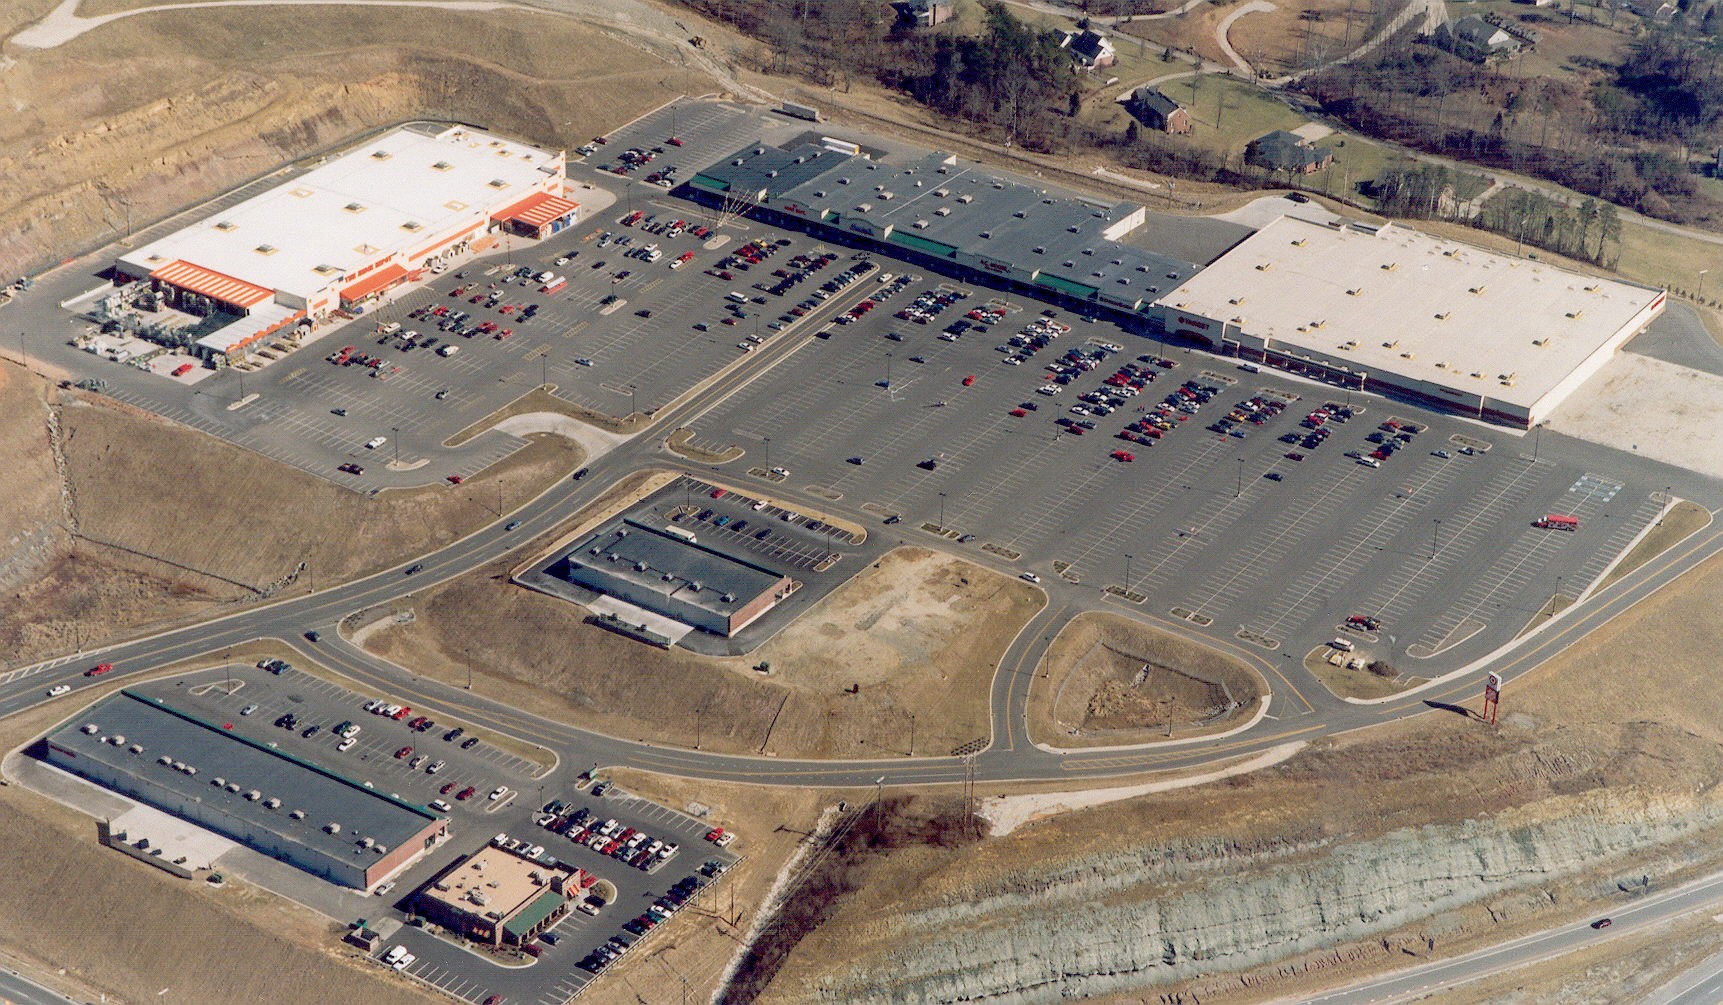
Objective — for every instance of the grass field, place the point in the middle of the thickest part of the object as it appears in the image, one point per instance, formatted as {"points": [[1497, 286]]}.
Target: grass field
{"points": [[904, 650], [1682, 521]]}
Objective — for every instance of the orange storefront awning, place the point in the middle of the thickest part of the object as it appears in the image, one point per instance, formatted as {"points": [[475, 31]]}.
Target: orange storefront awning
{"points": [[538, 209], [212, 284], [382, 279]]}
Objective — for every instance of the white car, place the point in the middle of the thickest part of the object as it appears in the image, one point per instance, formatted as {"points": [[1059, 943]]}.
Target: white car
{"points": [[439, 805], [583, 361], [393, 955], [405, 961], [1029, 577], [376, 441], [247, 710], [758, 506], [58, 689], [346, 744], [499, 792], [781, 472]]}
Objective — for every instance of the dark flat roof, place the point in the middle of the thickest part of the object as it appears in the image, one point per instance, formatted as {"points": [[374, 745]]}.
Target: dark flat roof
{"points": [[645, 556], [325, 796]]}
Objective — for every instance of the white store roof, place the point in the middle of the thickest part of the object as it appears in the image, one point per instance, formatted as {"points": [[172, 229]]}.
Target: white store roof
{"points": [[392, 193], [1400, 301]]}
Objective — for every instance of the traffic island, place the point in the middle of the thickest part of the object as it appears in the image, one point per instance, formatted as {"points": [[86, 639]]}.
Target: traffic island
{"points": [[1108, 680]]}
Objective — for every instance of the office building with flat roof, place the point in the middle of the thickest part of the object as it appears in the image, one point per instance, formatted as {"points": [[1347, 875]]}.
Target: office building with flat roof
{"points": [[288, 808], [670, 573]]}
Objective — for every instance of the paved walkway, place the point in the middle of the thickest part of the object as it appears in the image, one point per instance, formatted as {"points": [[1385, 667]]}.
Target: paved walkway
{"points": [[1221, 30]]}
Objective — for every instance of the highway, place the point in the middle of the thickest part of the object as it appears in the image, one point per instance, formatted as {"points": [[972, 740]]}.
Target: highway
{"points": [[19, 990], [1649, 911]]}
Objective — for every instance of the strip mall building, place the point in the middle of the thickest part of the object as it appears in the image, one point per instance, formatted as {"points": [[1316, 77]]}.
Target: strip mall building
{"points": [[341, 235]]}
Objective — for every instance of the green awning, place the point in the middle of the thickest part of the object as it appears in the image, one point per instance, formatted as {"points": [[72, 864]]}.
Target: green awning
{"points": [[537, 911], [710, 184], [1065, 286], [922, 244]]}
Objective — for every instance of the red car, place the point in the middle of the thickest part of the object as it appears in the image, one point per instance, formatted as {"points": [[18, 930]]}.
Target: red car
{"points": [[447, 788], [456, 479], [1124, 456], [969, 380], [98, 670], [466, 793], [403, 752], [416, 722], [403, 713]]}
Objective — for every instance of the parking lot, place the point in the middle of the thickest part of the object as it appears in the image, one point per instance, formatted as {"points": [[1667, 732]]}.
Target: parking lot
{"points": [[1271, 525], [253, 701]]}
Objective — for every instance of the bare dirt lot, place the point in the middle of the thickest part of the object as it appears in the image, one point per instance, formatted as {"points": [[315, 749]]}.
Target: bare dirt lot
{"points": [[917, 638], [131, 930], [1606, 762], [1110, 680]]}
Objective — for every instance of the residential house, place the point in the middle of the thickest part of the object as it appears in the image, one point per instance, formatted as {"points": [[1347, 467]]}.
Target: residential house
{"points": [[1159, 112], [1091, 49], [1284, 151], [922, 13], [1475, 39]]}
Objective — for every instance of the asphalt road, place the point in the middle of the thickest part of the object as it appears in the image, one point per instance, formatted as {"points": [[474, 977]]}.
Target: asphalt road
{"points": [[1639, 914], [18, 990]]}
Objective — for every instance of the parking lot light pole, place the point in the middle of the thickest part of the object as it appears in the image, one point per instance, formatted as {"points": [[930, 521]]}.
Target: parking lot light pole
{"points": [[768, 455], [1537, 440], [1240, 490], [1127, 576], [942, 511], [1435, 539]]}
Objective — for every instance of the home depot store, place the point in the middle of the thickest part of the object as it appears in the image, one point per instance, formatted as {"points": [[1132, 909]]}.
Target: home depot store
{"points": [[340, 236]]}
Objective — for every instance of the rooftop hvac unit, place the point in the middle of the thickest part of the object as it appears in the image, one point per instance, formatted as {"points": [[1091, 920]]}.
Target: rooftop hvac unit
{"points": [[178, 765], [1020, 214], [942, 192], [119, 739], [736, 163], [666, 577], [379, 848], [253, 796], [694, 586], [297, 815], [592, 550], [332, 828], [771, 174], [966, 198], [272, 803], [759, 150], [136, 748], [232, 786], [942, 211], [987, 235], [218, 781], [640, 567], [186, 769], [1072, 229], [164, 759], [366, 842], [919, 225], [622, 532], [89, 729], [728, 598]]}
